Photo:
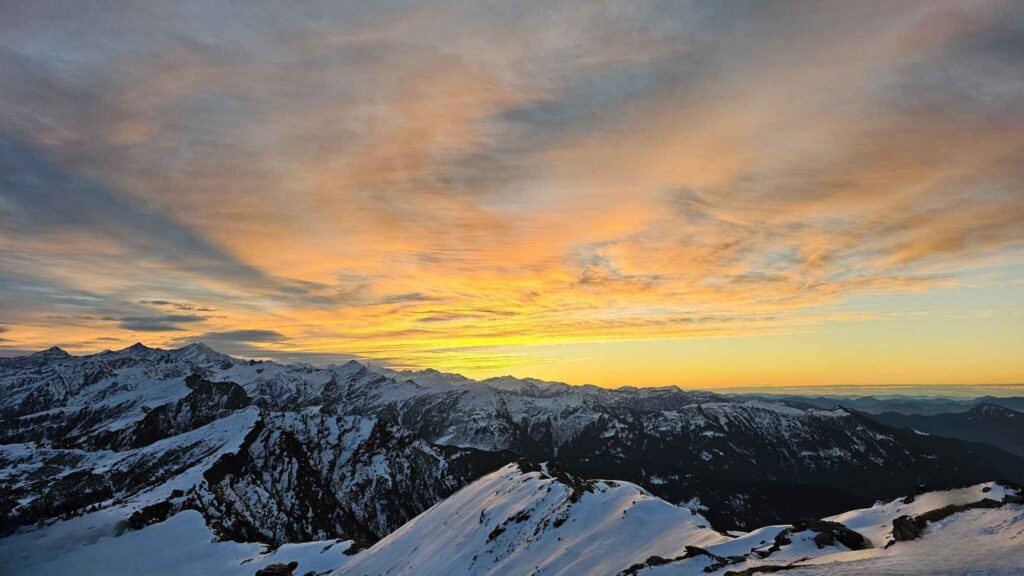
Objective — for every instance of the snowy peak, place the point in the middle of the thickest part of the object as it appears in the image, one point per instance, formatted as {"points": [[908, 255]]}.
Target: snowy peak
{"points": [[195, 353], [348, 369], [527, 519], [200, 352], [526, 385], [427, 377], [51, 353], [137, 351], [539, 519]]}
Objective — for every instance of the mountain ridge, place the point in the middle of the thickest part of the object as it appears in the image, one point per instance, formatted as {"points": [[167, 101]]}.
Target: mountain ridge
{"points": [[69, 419]]}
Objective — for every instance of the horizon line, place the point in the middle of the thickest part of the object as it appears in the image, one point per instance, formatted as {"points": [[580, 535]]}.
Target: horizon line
{"points": [[20, 353]]}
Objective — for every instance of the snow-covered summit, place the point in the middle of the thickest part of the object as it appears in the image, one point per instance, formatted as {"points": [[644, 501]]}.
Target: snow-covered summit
{"points": [[525, 519]]}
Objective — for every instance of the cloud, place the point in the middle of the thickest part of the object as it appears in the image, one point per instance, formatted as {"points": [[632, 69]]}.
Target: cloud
{"points": [[28, 292], [409, 297], [597, 270], [41, 197], [177, 305], [347, 179], [160, 323], [249, 336], [253, 343]]}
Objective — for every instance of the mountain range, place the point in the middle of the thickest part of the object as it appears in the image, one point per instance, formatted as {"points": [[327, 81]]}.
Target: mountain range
{"points": [[991, 423], [363, 456]]}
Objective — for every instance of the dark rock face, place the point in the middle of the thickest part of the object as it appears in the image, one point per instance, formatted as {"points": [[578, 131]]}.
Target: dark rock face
{"points": [[149, 515], [748, 464], [313, 477], [62, 497], [829, 532], [207, 402], [278, 569], [910, 527], [823, 539], [906, 528], [947, 511], [64, 401], [717, 562]]}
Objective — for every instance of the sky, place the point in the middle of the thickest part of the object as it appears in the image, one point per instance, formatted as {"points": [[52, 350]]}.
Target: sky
{"points": [[704, 194]]}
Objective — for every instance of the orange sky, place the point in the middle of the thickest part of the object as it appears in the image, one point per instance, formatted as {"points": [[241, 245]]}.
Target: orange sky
{"points": [[701, 195]]}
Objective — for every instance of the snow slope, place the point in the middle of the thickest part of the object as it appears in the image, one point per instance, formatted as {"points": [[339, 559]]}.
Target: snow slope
{"points": [[521, 520], [985, 541], [182, 545], [974, 542], [876, 522], [531, 522], [541, 520]]}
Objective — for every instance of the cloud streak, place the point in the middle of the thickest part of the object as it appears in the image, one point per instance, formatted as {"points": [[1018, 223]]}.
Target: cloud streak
{"points": [[163, 323]]}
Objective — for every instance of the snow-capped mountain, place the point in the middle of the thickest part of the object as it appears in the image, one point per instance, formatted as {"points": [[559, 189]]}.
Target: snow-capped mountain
{"points": [[284, 454], [526, 518], [537, 520], [750, 462], [529, 519]]}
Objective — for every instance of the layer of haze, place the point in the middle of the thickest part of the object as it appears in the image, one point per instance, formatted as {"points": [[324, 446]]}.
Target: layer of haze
{"points": [[694, 193]]}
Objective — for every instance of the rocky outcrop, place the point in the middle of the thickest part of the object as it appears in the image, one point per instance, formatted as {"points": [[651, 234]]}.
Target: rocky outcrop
{"points": [[907, 528], [316, 477], [828, 533], [150, 515], [278, 569]]}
